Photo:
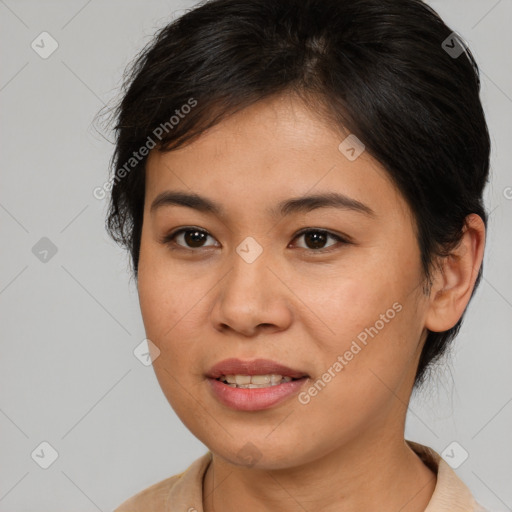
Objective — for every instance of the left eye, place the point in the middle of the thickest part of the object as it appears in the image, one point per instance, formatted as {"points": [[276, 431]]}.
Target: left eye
{"points": [[316, 239]]}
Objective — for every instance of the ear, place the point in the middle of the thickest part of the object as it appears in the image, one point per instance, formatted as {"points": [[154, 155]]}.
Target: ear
{"points": [[455, 279]]}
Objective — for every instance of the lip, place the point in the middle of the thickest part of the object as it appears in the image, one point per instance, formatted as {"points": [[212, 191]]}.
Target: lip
{"points": [[254, 399], [235, 366]]}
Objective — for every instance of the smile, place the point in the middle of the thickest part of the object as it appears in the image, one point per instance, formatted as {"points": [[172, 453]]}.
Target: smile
{"points": [[254, 385], [254, 381]]}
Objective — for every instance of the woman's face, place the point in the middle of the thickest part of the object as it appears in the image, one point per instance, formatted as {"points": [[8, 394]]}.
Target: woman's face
{"points": [[345, 315]]}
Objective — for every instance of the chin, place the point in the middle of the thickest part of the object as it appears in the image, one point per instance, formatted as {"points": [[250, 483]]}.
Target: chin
{"points": [[253, 452]]}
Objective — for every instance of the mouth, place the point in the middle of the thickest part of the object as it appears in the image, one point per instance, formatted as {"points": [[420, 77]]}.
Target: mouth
{"points": [[254, 385], [258, 372]]}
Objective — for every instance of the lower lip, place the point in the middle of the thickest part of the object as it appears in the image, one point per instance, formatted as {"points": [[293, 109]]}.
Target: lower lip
{"points": [[254, 399]]}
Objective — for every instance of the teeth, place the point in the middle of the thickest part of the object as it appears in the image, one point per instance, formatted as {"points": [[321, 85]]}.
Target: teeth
{"points": [[254, 381], [240, 379], [262, 379]]}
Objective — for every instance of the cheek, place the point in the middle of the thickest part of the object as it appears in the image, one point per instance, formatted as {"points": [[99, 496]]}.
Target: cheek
{"points": [[174, 306], [378, 359], [167, 299], [165, 291], [169, 308], [344, 304], [162, 304], [365, 374], [372, 318]]}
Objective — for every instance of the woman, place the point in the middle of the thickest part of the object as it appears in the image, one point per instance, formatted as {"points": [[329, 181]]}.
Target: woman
{"points": [[299, 184]]}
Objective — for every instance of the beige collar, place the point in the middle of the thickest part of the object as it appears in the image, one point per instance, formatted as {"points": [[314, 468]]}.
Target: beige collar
{"points": [[450, 493]]}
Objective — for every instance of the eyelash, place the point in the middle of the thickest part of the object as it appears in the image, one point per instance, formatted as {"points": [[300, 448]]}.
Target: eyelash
{"points": [[169, 239]]}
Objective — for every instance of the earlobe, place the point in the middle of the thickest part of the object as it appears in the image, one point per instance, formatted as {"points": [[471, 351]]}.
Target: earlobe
{"points": [[455, 278]]}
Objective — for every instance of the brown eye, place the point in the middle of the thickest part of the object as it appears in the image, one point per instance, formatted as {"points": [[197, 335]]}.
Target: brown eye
{"points": [[194, 238], [189, 238], [315, 239]]}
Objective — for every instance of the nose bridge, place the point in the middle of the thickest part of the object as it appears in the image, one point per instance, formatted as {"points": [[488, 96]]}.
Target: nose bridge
{"points": [[249, 269], [248, 295]]}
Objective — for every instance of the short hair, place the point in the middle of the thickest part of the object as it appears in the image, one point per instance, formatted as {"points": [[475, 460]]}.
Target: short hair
{"points": [[390, 72]]}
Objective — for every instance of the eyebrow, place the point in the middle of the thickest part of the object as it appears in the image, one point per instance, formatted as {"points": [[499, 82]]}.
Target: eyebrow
{"points": [[302, 204]]}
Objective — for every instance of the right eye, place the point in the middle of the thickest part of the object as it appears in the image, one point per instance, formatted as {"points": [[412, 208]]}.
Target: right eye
{"points": [[188, 238]]}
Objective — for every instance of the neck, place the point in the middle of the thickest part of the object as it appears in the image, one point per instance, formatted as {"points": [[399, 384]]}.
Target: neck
{"points": [[383, 474]]}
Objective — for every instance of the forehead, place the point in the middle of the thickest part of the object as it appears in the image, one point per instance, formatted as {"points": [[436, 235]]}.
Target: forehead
{"points": [[272, 150]]}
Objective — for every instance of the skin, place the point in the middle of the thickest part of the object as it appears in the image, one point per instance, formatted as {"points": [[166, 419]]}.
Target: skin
{"points": [[345, 449]]}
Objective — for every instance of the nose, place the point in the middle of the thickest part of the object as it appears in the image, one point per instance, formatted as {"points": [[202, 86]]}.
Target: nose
{"points": [[252, 299]]}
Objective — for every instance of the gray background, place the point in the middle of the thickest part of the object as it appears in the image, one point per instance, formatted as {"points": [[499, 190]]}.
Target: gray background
{"points": [[68, 375]]}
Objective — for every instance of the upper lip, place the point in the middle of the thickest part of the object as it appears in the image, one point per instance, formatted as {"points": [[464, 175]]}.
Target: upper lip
{"points": [[235, 366]]}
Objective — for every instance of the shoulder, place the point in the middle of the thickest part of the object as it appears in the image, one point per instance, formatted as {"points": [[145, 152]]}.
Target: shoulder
{"points": [[175, 491], [450, 494]]}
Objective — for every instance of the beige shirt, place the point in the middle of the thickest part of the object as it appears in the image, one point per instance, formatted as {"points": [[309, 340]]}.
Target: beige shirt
{"points": [[184, 492]]}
